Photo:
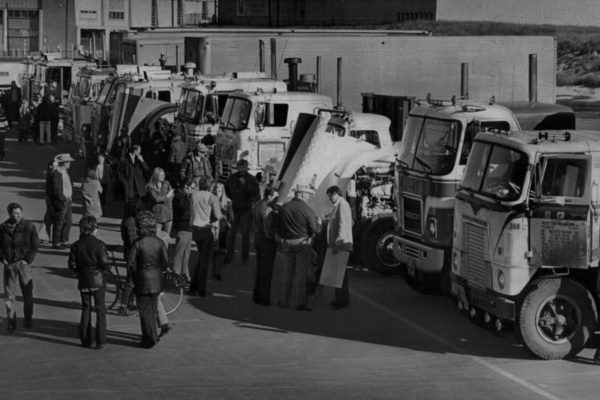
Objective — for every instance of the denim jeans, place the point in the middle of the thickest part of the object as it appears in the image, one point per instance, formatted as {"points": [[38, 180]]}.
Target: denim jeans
{"points": [[85, 327], [22, 273]]}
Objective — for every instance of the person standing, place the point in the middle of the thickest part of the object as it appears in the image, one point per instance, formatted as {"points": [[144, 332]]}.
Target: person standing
{"points": [[160, 195], [242, 188], [339, 242], [104, 174], [14, 102], [131, 170], [147, 259], [49, 190], [54, 115], [264, 243], [205, 208], [91, 190], [89, 259], [61, 197], [18, 246], [195, 165], [26, 122], [177, 152], [44, 114], [129, 235], [221, 228], [296, 227], [3, 132], [182, 229]]}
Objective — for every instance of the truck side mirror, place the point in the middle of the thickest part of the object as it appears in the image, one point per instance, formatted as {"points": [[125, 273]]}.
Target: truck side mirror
{"points": [[259, 116]]}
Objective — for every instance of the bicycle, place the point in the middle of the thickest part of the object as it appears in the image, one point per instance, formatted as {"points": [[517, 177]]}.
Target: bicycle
{"points": [[115, 281]]}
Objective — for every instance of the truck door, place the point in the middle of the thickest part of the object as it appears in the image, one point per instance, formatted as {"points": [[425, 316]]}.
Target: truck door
{"points": [[560, 216]]}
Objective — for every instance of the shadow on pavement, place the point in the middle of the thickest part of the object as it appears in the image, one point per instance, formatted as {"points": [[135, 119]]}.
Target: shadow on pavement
{"points": [[66, 333]]}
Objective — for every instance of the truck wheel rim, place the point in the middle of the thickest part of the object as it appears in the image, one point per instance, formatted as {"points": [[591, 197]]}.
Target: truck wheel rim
{"points": [[385, 251], [558, 319]]}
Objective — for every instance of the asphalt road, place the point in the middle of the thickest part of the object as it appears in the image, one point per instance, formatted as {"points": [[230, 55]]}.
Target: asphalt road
{"points": [[391, 343]]}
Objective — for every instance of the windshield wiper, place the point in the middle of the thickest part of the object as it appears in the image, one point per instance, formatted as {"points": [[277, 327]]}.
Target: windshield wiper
{"points": [[428, 169], [450, 148]]}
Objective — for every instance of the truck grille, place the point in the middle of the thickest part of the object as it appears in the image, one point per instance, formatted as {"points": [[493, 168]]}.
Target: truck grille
{"points": [[475, 241], [412, 210]]}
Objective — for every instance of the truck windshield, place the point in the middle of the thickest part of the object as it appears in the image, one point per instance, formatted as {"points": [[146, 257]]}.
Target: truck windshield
{"points": [[236, 114], [193, 102], [430, 145], [495, 171], [82, 89]]}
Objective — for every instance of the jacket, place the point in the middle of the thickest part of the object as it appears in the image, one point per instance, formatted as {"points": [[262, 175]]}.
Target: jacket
{"points": [[91, 189], [20, 244], [192, 168], [57, 197], [44, 110], [89, 258], [159, 203], [181, 210], [339, 229], [243, 190], [177, 152], [147, 259], [131, 174]]}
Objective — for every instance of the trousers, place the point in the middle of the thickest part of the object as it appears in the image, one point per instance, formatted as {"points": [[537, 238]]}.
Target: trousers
{"points": [[85, 326], [63, 219], [22, 273], [148, 310], [297, 254], [242, 219], [204, 242], [183, 248], [45, 128]]}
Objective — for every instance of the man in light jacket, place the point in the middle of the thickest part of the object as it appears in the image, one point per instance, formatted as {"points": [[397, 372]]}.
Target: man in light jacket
{"points": [[339, 238]]}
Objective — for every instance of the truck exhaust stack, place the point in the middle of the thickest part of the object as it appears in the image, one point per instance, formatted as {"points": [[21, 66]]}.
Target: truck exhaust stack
{"points": [[533, 96]]}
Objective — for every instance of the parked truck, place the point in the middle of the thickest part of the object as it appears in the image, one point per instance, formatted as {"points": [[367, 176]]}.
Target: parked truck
{"points": [[355, 152], [526, 243]]}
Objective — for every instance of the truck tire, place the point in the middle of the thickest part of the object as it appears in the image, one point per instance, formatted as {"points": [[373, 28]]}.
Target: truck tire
{"points": [[376, 247], [557, 318]]}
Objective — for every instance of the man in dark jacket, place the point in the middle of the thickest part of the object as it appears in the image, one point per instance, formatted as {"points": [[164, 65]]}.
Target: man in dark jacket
{"points": [[264, 243], [196, 165], [60, 197], [44, 113], [177, 153], [243, 190], [89, 258], [18, 246], [131, 171]]}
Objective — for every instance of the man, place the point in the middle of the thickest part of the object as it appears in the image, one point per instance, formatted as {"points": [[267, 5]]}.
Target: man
{"points": [[18, 246], [54, 115], [196, 165], [4, 126], [177, 152], [60, 197], [296, 227], [14, 102], [130, 171], [205, 208], [44, 112], [264, 243], [243, 190], [339, 239]]}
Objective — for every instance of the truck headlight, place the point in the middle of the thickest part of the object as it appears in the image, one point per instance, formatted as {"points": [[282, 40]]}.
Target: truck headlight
{"points": [[455, 262], [432, 226], [501, 280]]}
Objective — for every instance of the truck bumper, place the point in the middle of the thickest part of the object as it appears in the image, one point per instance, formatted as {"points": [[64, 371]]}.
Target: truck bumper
{"points": [[486, 300], [417, 256]]}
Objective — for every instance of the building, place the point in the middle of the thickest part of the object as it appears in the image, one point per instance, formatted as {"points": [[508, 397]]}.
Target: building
{"points": [[91, 27]]}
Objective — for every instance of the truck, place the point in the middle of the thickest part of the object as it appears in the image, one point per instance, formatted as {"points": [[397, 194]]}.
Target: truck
{"points": [[354, 151], [436, 144], [258, 126], [526, 246], [203, 100]]}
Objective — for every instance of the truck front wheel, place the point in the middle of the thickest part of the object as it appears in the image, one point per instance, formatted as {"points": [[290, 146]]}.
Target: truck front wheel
{"points": [[376, 247], [557, 318]]}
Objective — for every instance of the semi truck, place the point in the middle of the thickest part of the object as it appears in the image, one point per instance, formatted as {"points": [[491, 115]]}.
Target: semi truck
{"points": [[526, 245]]}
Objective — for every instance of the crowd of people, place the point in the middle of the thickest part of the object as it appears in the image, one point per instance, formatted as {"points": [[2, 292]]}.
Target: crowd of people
{"points": [[183, 202]]}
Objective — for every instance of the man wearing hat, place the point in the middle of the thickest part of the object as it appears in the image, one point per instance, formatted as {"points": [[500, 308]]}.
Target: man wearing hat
{"points": [[60, 198], [131, 170], [195, 165], [177, 152], [296, 227]]}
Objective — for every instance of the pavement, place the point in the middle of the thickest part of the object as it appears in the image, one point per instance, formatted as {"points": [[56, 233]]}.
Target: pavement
{"points": [[391, 343]]}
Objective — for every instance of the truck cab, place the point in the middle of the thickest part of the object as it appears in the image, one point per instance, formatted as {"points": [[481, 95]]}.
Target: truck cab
{"points": [[527, 236], [203, 100], [258, 126], [436, 142]]}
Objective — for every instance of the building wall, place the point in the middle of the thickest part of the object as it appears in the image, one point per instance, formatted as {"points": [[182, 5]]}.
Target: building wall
{"points": [[555, 12], [322, 13], [59, 32]]}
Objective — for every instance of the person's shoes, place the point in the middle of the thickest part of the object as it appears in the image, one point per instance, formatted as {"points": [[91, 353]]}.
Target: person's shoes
{"points": [[146, 345], [334, 303], [596, 359], [28, 323], [65, 245], [164, 329], [100, 346], [125, 312], [12, 324], [303, 308], [60, 246], [217, 276], [86, 345], [226, 260]]}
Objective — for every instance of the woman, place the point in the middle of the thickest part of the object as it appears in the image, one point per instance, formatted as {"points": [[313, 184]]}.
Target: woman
{"points": [[147, 259], [221, 228], [160, 194], [49, 215], [104, 174], [91, 189], [89, 258]]}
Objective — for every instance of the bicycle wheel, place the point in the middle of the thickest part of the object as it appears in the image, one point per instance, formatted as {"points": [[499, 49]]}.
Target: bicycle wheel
{"points": [[112, 287], [173, 285]]}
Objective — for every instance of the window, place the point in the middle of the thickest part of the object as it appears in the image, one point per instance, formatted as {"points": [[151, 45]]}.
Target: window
{"points": [[164, 95], [116, 15], [205, 10], [276, 114], [88, 14], [236, 114], [368, 136], [154, 14], [564, 177]]}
